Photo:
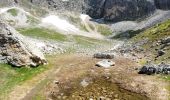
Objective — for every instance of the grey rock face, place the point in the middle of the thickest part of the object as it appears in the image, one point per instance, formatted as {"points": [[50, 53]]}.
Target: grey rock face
{"points": [[162, 4], [109, 10], [61, 5], [117, 10], [16, 50]]}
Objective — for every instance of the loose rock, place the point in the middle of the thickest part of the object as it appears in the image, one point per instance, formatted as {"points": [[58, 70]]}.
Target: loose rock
{"points": [[150, 69], [104, 55], [105, 63]]}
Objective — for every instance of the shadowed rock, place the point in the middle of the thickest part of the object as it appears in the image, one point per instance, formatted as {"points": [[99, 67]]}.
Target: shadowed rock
{"points": [[150, 69], [104, 55], [16, 49]]}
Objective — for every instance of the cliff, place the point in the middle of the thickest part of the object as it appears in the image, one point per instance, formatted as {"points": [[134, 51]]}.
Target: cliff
{"points": [[110, 10]]}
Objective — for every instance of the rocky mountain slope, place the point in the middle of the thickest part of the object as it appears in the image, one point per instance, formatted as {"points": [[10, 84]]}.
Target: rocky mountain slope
{"points": [[109, 10], [85, 59]]}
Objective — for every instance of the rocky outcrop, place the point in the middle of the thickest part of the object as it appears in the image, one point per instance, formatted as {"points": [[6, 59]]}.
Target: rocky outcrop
{"points": [[17, 50]]}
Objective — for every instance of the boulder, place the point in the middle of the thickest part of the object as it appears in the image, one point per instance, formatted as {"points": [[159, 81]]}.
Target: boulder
{"points": [[150, 69], [105, 63], [17, 50], [104, 55], [160, 53], [165, 40]]}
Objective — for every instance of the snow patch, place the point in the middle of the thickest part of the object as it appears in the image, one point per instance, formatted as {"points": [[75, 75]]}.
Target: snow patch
{"points": [[59, 23], [3, 10], [83, 17]]}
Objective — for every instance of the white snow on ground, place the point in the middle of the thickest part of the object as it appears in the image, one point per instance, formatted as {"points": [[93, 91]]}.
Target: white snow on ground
{"points": [[2, 10], [59, 23], [83, 17], [55, 22]]}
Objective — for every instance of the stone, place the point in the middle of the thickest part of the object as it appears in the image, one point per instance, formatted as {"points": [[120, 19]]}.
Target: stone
{"points": [[161, 52], [150, 69], [165, 40], [17, 50], [104, 55], [105, 63]]}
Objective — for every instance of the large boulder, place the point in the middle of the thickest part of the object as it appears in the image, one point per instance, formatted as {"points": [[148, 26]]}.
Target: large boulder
{"points": [[103, 55], [150, 69], [16, 49]]}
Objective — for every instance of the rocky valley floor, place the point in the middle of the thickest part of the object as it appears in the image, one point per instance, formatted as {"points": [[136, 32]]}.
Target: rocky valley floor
{"points": [[75, 77], [48, 55]]}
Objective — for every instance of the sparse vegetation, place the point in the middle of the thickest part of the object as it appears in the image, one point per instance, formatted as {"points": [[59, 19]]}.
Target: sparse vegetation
{"points": [[42, 33], [11, 76], [88, 42], [104, 30], [32, 20], [13, 12], [91, 26], [84, 28], [153, 35]]}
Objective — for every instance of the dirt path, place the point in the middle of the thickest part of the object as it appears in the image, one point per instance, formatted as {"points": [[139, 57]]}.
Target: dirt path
{"points": [[73, 67], [31, 86]]}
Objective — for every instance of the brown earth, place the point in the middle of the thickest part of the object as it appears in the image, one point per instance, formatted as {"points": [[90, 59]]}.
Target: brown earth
{"points": [[120, 82]]}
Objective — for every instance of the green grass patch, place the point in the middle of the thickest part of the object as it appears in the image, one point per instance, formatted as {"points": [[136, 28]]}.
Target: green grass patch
{"points": [[155, 33], [13, 12], [127, 35], [88, 42], [104, 30], [32, 20], [11, 76], [42, 33], [152, 36]]}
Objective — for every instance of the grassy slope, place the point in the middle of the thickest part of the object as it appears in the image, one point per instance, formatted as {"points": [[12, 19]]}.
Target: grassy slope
{"points": [[104, 30], [13, 12], [153, 35], [11, 76], [42, 33]]}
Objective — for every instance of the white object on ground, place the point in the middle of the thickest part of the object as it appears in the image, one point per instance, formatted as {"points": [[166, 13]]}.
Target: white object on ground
{"points": [[83, 17], [84, 83], [105, 63]]}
